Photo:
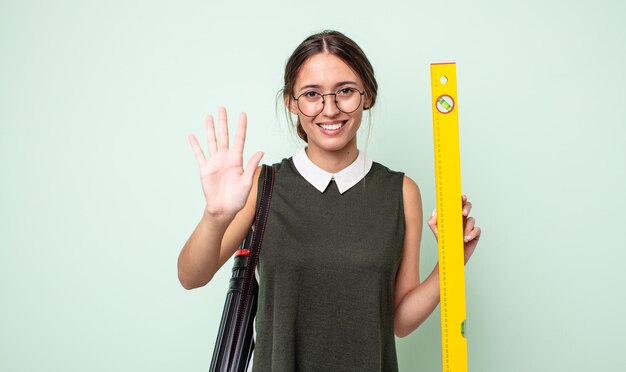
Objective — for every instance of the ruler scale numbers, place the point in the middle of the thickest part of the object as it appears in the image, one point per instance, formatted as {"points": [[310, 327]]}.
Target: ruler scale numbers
{"points": [[449, 218]]}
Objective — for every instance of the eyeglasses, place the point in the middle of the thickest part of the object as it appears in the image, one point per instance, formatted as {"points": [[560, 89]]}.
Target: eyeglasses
{"points": [[311, 103]]}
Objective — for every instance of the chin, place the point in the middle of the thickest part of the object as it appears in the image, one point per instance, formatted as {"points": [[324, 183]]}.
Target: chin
{"points": [[332, 144]]}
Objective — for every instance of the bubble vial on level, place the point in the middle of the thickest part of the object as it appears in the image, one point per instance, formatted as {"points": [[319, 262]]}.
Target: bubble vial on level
{"points": [[445, 104]]}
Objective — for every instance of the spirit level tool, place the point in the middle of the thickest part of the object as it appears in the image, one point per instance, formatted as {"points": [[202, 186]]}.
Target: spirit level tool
{"points": [[449, 218]]}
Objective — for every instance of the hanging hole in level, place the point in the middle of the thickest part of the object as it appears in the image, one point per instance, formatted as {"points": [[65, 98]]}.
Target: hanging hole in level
{"points": [[443, 80]]}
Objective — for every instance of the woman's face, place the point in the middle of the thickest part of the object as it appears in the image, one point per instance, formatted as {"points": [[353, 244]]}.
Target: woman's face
{"points": [[331, 130]]}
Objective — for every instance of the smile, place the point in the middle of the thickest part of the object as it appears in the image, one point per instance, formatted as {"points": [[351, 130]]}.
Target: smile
{"points": [[331, 126]]}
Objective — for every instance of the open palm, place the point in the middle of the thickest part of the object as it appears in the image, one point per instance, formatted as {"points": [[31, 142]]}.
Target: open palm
{"points": [[225, 183]]}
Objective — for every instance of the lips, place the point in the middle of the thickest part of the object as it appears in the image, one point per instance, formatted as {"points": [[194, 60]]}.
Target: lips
{"points": [[332, 126]]}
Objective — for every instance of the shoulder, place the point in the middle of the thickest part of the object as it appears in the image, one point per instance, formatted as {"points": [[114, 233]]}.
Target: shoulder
{"points": [[385, 176], [412, 199], [283, 165], [380, 168], [410, 188]]}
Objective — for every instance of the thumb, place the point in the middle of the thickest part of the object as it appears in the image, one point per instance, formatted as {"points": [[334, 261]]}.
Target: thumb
{"points": [[252, 165], [432, 221]]}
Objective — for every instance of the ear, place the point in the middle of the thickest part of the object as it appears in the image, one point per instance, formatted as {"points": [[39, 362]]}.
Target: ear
{"points": [[368, 103], [291, 104]]}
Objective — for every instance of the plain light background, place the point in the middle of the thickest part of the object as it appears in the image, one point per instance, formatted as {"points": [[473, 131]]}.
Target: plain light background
{"points": [[99, 188]]}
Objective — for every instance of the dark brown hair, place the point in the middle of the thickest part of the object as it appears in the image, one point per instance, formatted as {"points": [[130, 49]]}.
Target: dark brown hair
{"points": [[335, 43]]}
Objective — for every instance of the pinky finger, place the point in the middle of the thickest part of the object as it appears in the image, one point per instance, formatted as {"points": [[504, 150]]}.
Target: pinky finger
{"points": [[472, 235], [197, 150]]}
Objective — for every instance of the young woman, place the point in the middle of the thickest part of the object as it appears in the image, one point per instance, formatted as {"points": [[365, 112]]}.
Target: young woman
{"points": [[339, 267]]}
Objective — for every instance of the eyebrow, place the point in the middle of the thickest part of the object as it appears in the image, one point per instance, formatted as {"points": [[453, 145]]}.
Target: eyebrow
{"points": [[316, 86]]}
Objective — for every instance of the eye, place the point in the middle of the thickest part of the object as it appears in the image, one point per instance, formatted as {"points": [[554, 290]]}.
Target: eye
{"points": [[310, 94], [346, 92]]}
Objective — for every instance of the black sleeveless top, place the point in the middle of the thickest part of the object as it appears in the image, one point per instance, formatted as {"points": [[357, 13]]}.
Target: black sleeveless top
{"points": [[327, 271]]}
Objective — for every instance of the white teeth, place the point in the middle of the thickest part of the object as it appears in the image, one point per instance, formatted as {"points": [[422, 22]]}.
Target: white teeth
{"points": [[330, 126]]}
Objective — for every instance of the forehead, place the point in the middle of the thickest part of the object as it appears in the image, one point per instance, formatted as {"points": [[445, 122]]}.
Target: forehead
{"points": [[325, 70]]}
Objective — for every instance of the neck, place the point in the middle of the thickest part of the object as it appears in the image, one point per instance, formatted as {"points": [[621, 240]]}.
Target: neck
{"points": [[333, 161]]}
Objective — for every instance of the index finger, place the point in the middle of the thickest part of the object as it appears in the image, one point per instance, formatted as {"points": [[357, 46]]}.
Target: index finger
{"points": [[240, 135], [467, 207]]}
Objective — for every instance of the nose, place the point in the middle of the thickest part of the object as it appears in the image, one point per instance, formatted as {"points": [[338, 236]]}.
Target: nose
{"points": [[330, 105]]}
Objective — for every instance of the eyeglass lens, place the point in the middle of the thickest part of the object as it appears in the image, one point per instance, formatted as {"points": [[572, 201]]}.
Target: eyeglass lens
{"points": [[312, 103]]}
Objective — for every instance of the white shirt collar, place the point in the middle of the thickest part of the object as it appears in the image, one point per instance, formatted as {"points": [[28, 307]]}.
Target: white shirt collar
{"points": [[319, 178]]}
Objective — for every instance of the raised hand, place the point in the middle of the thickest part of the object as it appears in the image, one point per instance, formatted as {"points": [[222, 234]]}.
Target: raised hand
{"points": [[225, 183]]}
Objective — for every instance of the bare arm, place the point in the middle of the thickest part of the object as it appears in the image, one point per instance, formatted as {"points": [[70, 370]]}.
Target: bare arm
{"points": [[230, 193], [212, 243], [415, 301]]}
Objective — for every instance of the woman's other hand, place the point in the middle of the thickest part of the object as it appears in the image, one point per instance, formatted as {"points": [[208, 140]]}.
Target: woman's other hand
{"points": [[471, 232]]}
